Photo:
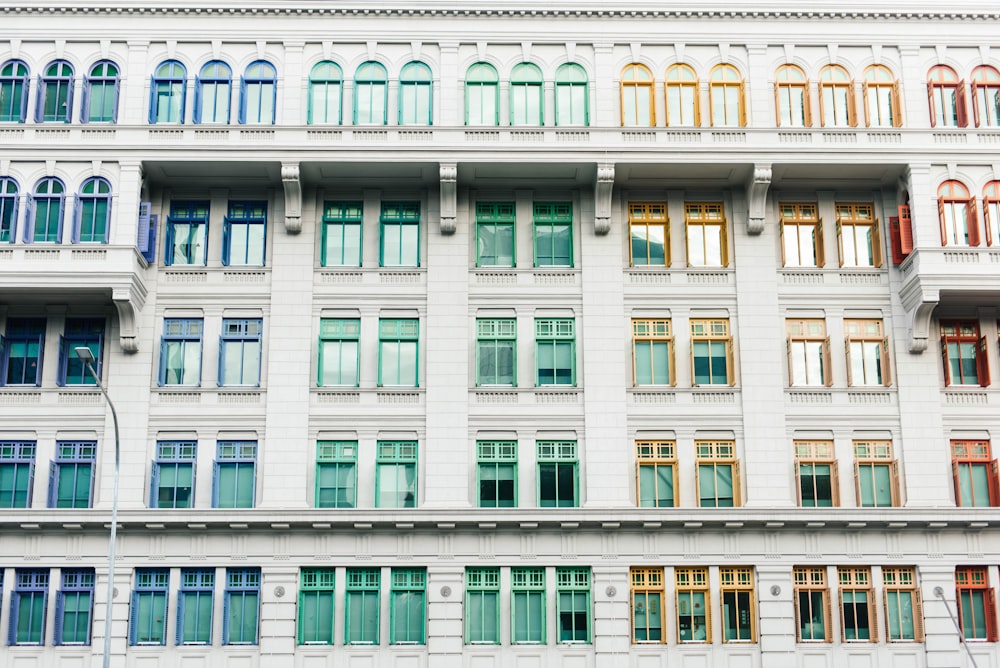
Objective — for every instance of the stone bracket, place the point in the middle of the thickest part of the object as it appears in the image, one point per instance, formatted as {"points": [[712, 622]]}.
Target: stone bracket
{"points": [[293, 197], [603, 186], [919, 325], [128, 304], [448, 174], [757, 187]]}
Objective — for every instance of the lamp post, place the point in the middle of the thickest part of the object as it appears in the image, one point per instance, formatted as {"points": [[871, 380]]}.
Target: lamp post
{"points": [[87, 357]]}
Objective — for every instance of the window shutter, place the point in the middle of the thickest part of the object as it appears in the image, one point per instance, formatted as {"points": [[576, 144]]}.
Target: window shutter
{"points": [[995, 482], [41, 354], [944, 362], [972, 221], [798, 482], [974, 91], [894, 481], [724, 245], [53, 484], [991, 615], [114, 109], [986, 223], [983, 363], [196, 118], [827, 617], [918, 616], [12, 629], [852, 104], [154, 484], [179, 631], [168, 249], [777, 104], [820, 253], [798, 615], [737, 501], [930, 104], [215, 487], [74, 236], [872, 617], [150, 254], [152, 99], [25, 81], [730, 364], [90, 493], [944, 229], [806, 105], [162, 377], [226, 235], [64, 353], [30, 209], [742, 104], [897, 107], [132, 621], [788, 357], [58, 628], [243, 100], [905, 229], [957, 480], [857, 485], [865, 89], [781, 242], [221, 374], [847, 356], [85, 101], [40, 101], [840, 241], [894, 240], [886, 371], [960, 108], [827, 363], [876, 243], [834, 483], [822, 110], [69, 102]]}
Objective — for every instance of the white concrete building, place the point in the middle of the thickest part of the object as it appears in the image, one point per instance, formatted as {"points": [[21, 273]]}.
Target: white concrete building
{"points": [[444, 335]]}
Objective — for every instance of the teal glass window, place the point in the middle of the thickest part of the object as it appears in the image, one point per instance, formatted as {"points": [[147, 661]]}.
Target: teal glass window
{"points": [[855, 602], [496, 352], [526, 95], [482, 606], [649, 231], [241, 607], [396, 474], [21, 351], [718, 474], [147, 622], [342, 231], [496, 473], [180, 352], [399, 239], [657, 479], [13, 92], [213, 92], [45, 212], [100, 94], [647, 604], [482, 95], [167, 92], [652, 352], [17, 467], [235, 478], [558, 474], [72, 474], [692, 604], [194, 606], [964, 353], [187, 234], [316, 605], [573, 609], [739, 623], [397, 353], [92, 215], [553, 230], [495, 234], [8, 209], [361, 606], [555, 351], [258, 94], [74, 607], [975, 473], [904, 618], [243, 233], [55, 94], [338, 352], [28, 605], [326, 90], [875, 474], [371, 94], [711, 352], [415, 85], [572, 95], [239, 352], [172, 479], [336, 474], [527, 606], [408, 606]]}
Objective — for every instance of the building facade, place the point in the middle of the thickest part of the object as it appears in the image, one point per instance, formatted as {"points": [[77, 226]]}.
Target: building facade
{"points": [[581, 335]]}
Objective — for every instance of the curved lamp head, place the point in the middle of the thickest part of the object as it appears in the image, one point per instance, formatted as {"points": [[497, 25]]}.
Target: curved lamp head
{"points": [[83, 352]]}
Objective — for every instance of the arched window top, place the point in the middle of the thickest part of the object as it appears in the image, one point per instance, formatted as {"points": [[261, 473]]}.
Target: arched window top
{"points": [[636, 73], [834, 74], [726, 73], [96, 186], [261, 70], [481, 73], [8, 186], [571, 73], [370, 72], [679, 72], [14, 69], [59, 69], [942, 74], [953, 190], [170, 70], [986, 74], [991, 190], [414, 72], [878, 74], [790, 74], [104, 69], [326, 71], [50, 186], [215, 70], [526, 73]]}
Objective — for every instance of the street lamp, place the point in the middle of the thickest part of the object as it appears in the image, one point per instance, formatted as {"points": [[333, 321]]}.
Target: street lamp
{"points": [[87, 357]]}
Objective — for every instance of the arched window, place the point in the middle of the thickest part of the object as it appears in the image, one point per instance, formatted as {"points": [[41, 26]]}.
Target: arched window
{"points": [[957, 213], [326, 86], [526, 95], [13, 92], [986, 96], [258, 93], [166, 93], [946, 96], [92, 212], [100, 94], [55, 94], [415, 94], [45, 212], [212, 93], [482, 95], [991, 212], [8, 209], [791, 97], [726, 97], [881, 91], [371, 94], [681, 87], [637, 96], [836, 92], [572, 99]]}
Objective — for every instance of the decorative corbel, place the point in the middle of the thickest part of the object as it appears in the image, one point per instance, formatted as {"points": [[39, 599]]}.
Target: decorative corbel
{"points": [[602, 197], [293, 197], [757, 188], [448, 173], [128, 304], [920, 324]]}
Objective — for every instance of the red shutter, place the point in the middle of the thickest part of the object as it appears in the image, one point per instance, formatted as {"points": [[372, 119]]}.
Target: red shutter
{"points": [[995, 483], [960, 108], [944, 230], [983, 363], [986, 222], [958, 483], [905, 230], [944, 361], [930, 104], [972, 220], [991, 615], [975, 107]]}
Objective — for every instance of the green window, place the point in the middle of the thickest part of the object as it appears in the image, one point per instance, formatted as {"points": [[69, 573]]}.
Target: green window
{"points": [[497, 473], [573, 604], [172, 483], [397, 352], [325, 89], [8, 201], [652, 352], [239, 352], [17, 463], [692, 604], [100, 90], [972, 480], [718, 474], [194, 606], [371, 94], [408, 606], [336, 474], [482, 606], [816, 484], [55, 94], [496, 352], [242, 606], [711, 352], [415, 94], [657, 469], [28, 603], [93, 209], [338, 352], [553, 234], [361, 606], [13, 91], [812, 604], [45, 211], [647, 605], [875, 473], [235, 474], [572, 96], [738, 618], [148, 615], [74, 607], [555, 351], [899, 614], [482, 95], [557, 474], [526, 95], [495, 234], [72, 474], [527, 606], [342, 225], [399, 242], [396, 474], [316, 592]]}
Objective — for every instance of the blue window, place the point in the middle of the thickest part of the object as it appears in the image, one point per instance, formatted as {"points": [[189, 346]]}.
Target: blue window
{"points": [[258, 94], [371, 94], [239, 351], [71, 476], [8, 209], [75, 607], [194, 606], [235, 474], [415, 94], [180, 352], [22, 351], [27, 607], [80, 332], [242, 606], [187, 234], [326, 90], [482, 95], [45, 212], [13, 92], [100, 94], [17, 468], [55, 94], [243, 234], [92, 212], [172, 479], [147, 619], [212, 93], [400, 234], [166, 93]]}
